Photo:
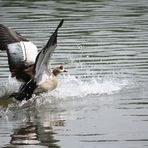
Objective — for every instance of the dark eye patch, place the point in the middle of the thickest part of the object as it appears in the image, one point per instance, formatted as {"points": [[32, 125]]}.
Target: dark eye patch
{"points": [[61, 67]]}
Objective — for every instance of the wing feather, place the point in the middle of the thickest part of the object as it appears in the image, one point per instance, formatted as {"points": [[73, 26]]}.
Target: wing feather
{"points": [[45, 54], [21, 53], [25, 91], [8, 36]]}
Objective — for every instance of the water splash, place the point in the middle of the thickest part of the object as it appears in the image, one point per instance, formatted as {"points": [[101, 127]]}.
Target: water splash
{"points": [[9, 86], [70, 86]]}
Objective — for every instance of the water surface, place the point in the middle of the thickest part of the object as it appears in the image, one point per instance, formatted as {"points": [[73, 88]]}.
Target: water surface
{"points": [[102, 100]]}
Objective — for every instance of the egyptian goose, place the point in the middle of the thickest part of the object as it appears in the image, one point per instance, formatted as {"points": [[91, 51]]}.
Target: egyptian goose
{"points": [[33, 69]]}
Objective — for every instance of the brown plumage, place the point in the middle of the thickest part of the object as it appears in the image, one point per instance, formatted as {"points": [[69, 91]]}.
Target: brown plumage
{"points": [[23, 73], [43, 78]]}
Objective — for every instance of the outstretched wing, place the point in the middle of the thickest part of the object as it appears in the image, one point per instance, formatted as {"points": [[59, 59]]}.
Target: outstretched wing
{"points": [[41, 63], [9, 36], [45, 54], [21, 53]]}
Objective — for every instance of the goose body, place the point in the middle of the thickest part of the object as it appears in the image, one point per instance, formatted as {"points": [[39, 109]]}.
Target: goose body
{"points": [[47, 85]]}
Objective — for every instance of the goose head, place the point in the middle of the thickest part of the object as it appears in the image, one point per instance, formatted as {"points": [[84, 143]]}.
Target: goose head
{"points": [[58, 69]]}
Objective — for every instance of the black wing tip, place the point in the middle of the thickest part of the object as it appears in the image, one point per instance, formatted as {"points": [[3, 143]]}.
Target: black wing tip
{"points": [[60, 24], [16, 96], [26, 91], [53, 37]]}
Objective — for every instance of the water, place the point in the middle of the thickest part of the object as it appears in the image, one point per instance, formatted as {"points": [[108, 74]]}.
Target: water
{"points": [[102, 100]]}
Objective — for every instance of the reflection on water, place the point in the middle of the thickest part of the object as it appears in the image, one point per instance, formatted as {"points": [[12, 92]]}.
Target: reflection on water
{"points": [[34, 128], [102, 101], [30, 134]]}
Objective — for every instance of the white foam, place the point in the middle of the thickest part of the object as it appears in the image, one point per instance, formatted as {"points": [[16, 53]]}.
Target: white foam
{"points": [[9, 86], [70, 86]]}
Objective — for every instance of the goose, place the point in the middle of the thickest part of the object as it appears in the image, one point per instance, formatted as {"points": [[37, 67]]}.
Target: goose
{"points": [[34, 70]]}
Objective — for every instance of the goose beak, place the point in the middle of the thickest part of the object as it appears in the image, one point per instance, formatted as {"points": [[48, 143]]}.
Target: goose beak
{"points": [[65, 70]]}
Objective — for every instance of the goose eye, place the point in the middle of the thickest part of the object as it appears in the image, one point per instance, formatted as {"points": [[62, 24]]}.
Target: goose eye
{"points": [[61, 67]]}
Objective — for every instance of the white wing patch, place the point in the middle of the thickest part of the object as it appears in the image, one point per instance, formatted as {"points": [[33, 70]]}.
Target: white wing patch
{"points": [[16, 53], [31, 52], [22, 52]]}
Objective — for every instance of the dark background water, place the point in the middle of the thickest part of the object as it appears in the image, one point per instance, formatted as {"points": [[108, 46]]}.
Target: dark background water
{"points": [[102, 101]]}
